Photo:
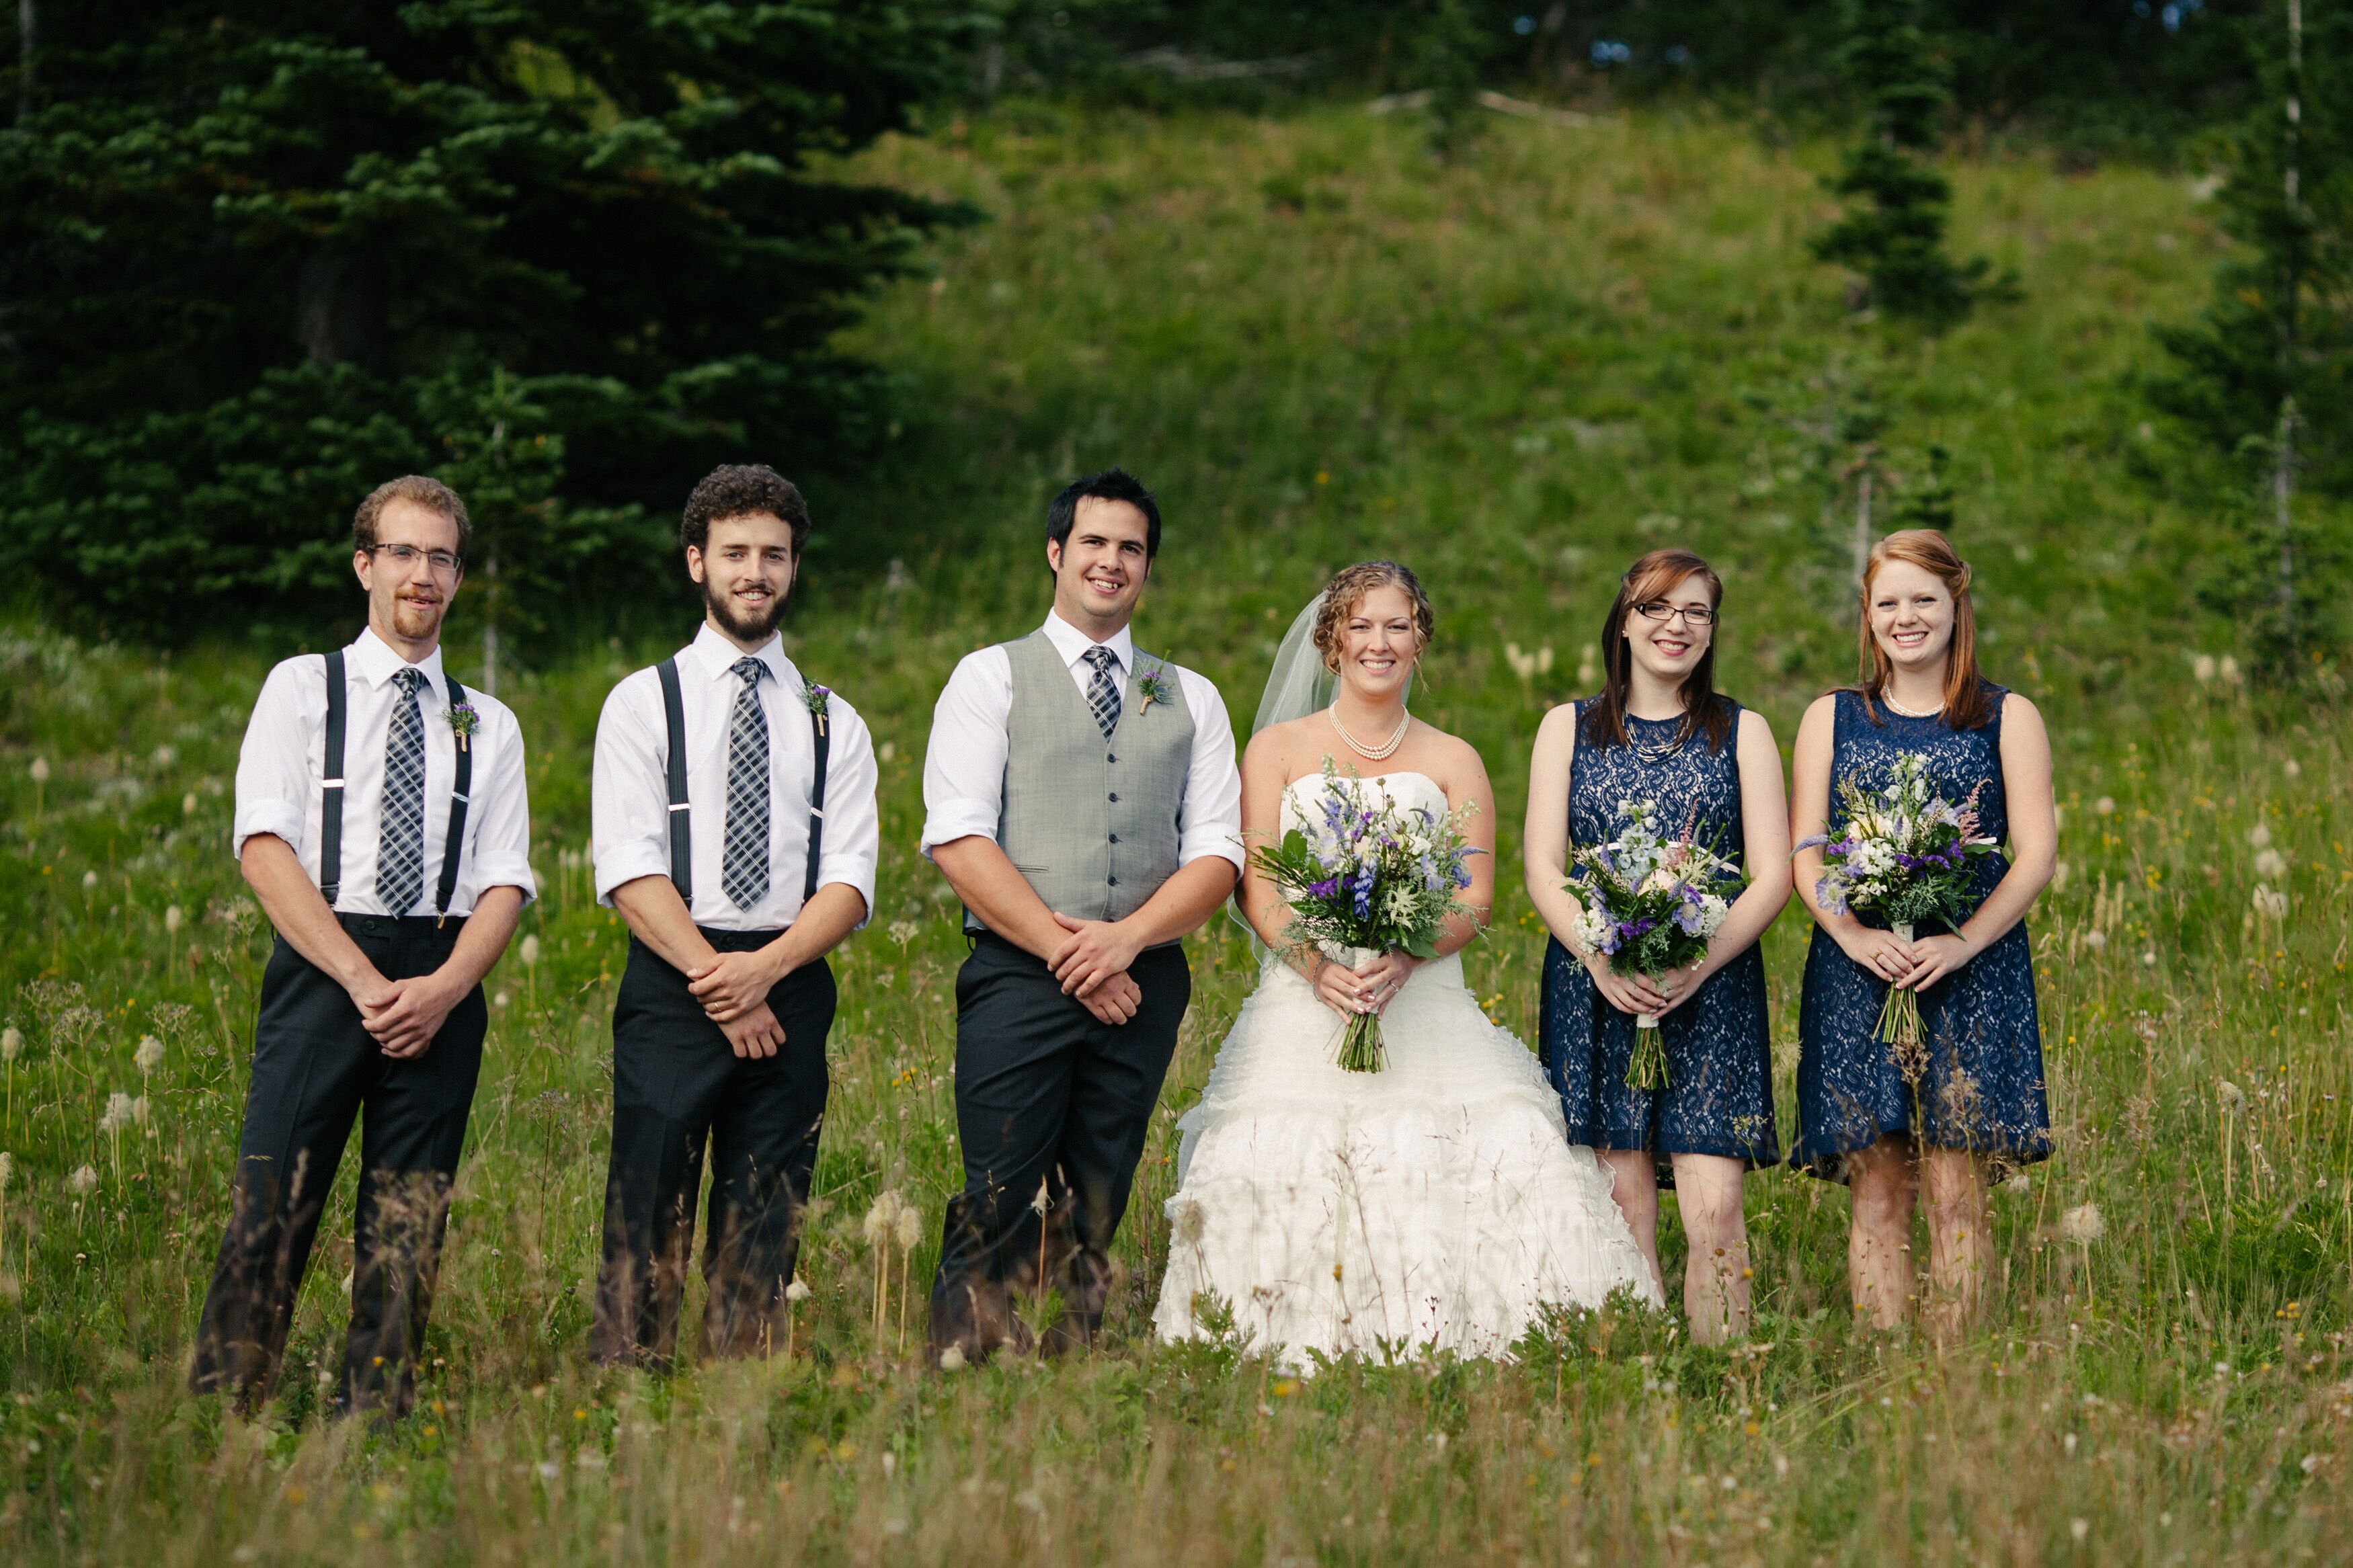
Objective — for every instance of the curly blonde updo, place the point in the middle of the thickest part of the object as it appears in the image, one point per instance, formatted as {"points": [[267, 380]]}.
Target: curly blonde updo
{"points": [[1347, 590]]}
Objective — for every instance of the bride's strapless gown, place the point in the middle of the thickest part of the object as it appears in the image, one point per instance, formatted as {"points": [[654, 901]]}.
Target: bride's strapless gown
{"points": [[1435, 1205]]}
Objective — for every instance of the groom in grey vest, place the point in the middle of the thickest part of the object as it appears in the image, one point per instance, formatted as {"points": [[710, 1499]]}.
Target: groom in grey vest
{"points": [[1081, 798]]}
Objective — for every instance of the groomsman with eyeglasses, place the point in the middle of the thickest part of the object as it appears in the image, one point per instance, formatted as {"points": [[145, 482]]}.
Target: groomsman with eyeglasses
{"points": [[383, 823], [735, 831]]}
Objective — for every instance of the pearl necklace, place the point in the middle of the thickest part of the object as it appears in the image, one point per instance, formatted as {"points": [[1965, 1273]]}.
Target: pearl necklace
{"points": [[1387, 749], [1895, 707]]}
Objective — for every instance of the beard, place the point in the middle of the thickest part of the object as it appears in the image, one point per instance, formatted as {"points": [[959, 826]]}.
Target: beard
{"points": [[751, 629], [418, 621]]}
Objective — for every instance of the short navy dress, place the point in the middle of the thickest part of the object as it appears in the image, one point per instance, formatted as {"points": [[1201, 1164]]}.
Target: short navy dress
{"points": [[1718, 1097], [1983, 1086]]}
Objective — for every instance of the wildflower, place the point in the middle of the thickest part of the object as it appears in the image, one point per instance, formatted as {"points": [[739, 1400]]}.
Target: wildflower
{"points": [[910, 1226], [797, 1292], [12, 1041], [188, 803], [172, 919], [501, 1000], [882, 1216], [2270, 904], [2096, 939], [2229, 1095], [83, 1182], [2105, 805], [149, 1055], [529, 953], [2229, 670], [117, 1115], [2259, 837], [952, 1359], [89, 881], [39, 770], [2202, 666], [2292, 768], [904, 932], [138, 1111], [2271, 864], [2083, 1226]]}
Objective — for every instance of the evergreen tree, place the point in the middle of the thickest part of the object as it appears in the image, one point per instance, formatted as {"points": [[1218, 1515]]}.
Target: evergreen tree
{"points": [[256, 258], [1894, 231], [2264, 377]]}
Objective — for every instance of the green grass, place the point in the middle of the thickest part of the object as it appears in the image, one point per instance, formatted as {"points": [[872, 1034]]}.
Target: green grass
{"points": [[1515, 371]]}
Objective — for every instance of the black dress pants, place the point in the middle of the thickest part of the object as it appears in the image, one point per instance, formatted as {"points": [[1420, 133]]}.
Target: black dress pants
{"points": [[678, 1086], [315, 1068], [1045, 1093]]}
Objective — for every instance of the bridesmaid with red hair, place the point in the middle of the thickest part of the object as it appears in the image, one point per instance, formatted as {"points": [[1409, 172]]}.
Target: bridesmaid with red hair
{"points": [[1979, 1103]]}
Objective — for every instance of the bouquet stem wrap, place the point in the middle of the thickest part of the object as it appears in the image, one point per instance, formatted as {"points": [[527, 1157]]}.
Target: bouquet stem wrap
{"points": [[1899, 1023], [1361, 1047], [1646, 1065]]}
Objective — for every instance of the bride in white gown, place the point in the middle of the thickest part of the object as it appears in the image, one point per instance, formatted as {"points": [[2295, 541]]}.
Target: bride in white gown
{"points": [[1436, 1205]]}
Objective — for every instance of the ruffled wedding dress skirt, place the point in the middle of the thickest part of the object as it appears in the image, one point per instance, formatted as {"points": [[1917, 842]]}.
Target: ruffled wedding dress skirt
{"points": [[1435, 1205]]}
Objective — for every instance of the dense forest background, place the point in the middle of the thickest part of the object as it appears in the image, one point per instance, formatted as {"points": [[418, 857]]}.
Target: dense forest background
{"points": [[254, 256]]}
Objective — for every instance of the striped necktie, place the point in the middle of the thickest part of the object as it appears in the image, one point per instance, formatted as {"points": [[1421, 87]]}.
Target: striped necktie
{"points": [[744, 874], [1102, 691], [400, 855]]}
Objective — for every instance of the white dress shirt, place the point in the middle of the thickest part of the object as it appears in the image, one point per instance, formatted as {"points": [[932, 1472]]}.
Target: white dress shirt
{"points": [[963, 769], [281, 774], [629, 796]]}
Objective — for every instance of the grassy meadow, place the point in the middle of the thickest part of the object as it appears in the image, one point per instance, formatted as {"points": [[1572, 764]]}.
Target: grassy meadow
{"points": [[1515, 370]]}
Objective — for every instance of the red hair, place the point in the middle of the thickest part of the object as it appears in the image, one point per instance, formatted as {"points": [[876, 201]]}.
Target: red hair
{"points": [[1967, 705]]}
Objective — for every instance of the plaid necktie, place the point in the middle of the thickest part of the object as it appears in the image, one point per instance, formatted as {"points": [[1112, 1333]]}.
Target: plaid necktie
{"points": [[400, 854], [744, 876], [1102, 691]]}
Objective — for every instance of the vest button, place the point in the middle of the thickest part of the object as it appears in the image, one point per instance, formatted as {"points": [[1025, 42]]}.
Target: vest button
{"points": [[1112, 880], [1114, 795], [1109, 758], [1114, 838]]}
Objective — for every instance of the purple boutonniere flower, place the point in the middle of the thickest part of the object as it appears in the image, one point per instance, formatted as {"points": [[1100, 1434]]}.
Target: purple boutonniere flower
{"points": [[1152, 685], [818, 697], [463, 721]]}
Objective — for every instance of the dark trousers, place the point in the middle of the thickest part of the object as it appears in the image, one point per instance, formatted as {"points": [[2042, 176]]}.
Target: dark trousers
{"points": [[315, 1068], [678, 1086], [1045, 1092]]}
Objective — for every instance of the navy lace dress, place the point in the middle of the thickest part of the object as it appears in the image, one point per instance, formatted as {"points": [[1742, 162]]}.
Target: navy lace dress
{"points": [[1983, 1086], [1718, 1097]]}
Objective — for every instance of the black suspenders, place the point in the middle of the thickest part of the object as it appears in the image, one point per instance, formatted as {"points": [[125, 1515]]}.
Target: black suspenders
{"points": [[681, 837], [331, 806]]}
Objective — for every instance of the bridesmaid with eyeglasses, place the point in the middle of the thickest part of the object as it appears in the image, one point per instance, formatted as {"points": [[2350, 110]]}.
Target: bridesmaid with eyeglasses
{"points": [[1980, 1100], [1659, 730]]}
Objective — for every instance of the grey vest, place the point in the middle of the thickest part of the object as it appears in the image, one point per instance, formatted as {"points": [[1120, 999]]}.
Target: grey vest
{"points": [[1091, 823]]}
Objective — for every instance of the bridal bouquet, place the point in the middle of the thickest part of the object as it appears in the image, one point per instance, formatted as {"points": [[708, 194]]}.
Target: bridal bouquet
{"points": [[1369, 878], [1650, 905], [1905, 859]]}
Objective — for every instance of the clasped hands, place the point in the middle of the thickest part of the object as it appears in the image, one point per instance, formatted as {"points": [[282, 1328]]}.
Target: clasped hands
{"points": [[404, 1015], [1368, 988], [1092, 964], [1651, 995], [1908, 965], [733, 990]]}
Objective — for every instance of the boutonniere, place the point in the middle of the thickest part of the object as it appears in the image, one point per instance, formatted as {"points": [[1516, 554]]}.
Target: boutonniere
{"points": [[819, 698], [1153, 684], [463, 721]]}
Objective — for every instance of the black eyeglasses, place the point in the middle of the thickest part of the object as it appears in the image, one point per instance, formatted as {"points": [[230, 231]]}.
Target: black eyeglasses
{"points": [[443, 563], [1660, 610]]}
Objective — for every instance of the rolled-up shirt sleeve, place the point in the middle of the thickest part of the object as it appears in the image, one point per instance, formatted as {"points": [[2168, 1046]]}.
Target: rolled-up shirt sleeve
{"points": [[964, 766], [273, 766], [1210, 822], [502, 844], [629, 796], [854, 822]]}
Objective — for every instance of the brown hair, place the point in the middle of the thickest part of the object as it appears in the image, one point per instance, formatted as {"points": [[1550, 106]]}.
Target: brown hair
{"points": [[742, 489], [430, 493], [1645, 581], [1967, 705], [1347, 589]]}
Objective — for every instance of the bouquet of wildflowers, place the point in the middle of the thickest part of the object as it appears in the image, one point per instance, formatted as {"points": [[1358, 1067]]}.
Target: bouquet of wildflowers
{"points": [[1650, 905], [1905, 858], [1369, 878]]}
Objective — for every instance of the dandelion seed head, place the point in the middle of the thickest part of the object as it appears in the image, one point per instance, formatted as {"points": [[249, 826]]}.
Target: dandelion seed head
{"points": [[89, 881], [188, 803], [2260, 836], [2078, 1528], [2096, 939], [83, 1182], [909, 1226], [2083, 1226], [952, 1359], [2202, 666], [172, 917], [2292, 768], [2105, 805], [2230, 1094], [797, 1291], [2268, 902], [117, 1114], [39, 770], [139, 1110], [8, 1169], [529, 953], [882, 1218], [12, 1041], [149, 1054], [2270, 864]]}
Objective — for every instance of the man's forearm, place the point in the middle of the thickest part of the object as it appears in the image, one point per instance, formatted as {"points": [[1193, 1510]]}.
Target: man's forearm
{"points": [[488, 930], [977, 868], [299, 912], [658, 917], [1184, 903], [823, 924]]}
